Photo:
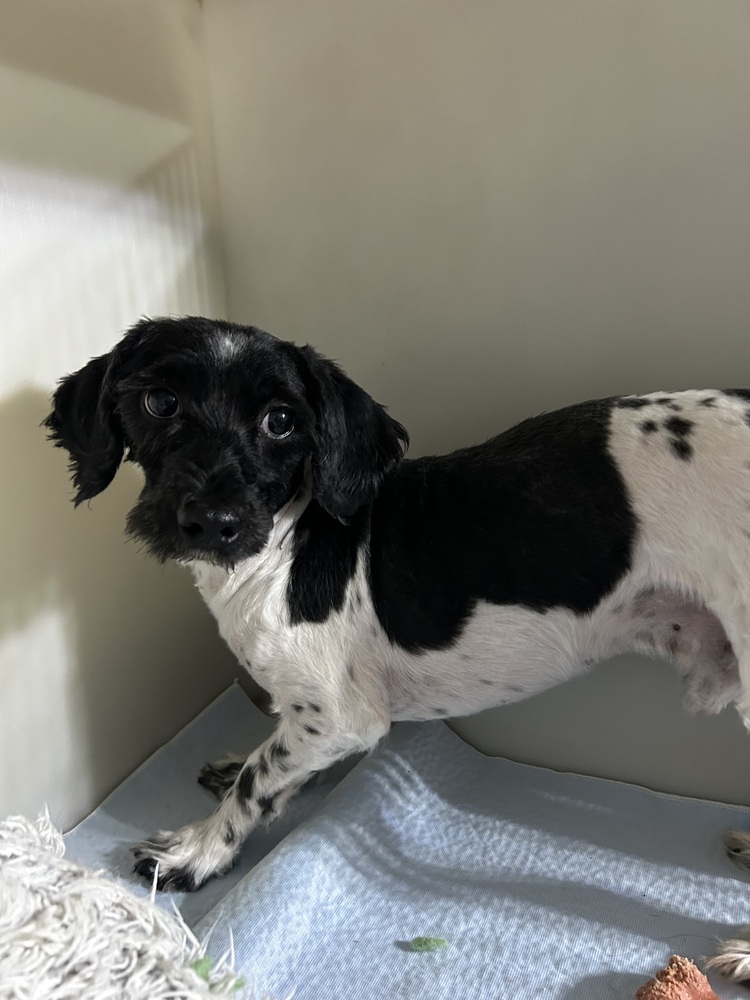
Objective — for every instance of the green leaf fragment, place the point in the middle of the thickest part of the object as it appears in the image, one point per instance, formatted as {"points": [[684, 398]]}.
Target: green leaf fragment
{"points": [[202, 967], [427, 943]]}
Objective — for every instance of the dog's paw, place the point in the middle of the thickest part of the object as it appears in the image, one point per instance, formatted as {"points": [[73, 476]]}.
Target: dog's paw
{"points": [[219, 776], [184, 860], [150, 863]]}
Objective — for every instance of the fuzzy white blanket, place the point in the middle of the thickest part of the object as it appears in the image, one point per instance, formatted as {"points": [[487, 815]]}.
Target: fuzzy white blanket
{"points": [[69, 933]]}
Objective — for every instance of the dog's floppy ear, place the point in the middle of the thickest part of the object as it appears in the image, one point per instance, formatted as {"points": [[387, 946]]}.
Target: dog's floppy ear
{"points": [[356, 442], [84, 422]]}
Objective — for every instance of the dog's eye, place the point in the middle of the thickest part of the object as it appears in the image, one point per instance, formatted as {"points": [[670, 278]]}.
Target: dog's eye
{"points": [[278, 423], [161, 403]]}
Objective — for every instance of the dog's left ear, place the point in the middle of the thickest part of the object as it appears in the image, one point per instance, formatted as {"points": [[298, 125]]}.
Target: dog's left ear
{"points": [[84, 422], [356, 442]]}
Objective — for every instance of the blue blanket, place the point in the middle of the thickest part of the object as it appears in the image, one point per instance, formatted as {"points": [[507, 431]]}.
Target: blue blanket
{"points": [[543, 884]]}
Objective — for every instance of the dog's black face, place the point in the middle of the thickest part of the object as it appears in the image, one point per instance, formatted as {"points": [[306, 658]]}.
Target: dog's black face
{"points": [[227, 423]]}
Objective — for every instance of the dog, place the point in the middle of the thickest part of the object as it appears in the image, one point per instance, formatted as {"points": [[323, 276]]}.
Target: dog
{"points": [[359, 587]]}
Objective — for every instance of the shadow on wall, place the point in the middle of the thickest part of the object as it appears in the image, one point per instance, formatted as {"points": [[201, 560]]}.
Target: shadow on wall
{"points": [[123, 629], [109, 202]]}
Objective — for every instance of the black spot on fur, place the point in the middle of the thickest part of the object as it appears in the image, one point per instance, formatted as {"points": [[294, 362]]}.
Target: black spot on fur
{"points": [[440, 711], [245, 783], [485, 681], [676, 627], [350, 670], [679, 426], [266, 803], [649, 426], [681, 429], [278, 750], [708, 401], [631, 402], [230, 835], [681, 448], [538, 516], [262, 767], [314, 708], [298, 708], [312, 730], [219, 778]]}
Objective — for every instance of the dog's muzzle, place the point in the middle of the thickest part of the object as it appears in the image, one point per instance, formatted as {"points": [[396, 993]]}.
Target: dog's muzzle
{"points": [[208, 526]]}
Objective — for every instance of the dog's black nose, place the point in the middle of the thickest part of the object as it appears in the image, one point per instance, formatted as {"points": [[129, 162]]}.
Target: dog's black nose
{"points": [[208, 527]]}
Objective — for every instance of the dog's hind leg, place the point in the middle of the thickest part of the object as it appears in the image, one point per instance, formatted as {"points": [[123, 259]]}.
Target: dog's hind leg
{"points": [[670, 625], [737, 842], [303, 743]]}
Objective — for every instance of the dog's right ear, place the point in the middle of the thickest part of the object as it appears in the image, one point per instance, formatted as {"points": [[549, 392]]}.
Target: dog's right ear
{"points": [[84, 422]]}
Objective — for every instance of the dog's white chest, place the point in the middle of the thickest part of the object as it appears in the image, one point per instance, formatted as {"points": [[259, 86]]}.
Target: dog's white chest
{"points": [[250, 606], [294, 661]]}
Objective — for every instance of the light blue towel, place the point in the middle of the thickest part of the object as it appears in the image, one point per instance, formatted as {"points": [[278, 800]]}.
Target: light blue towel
{"points": [[544, 884]]}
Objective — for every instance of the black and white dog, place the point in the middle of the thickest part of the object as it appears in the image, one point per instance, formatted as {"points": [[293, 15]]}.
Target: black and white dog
{"points": [[359, 589]]}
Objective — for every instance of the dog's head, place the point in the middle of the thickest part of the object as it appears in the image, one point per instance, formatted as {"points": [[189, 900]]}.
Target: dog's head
{"points": [[225, 421]]}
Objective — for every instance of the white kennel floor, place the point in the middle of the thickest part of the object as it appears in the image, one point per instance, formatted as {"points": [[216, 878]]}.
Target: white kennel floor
{"points": [[544, 884]]}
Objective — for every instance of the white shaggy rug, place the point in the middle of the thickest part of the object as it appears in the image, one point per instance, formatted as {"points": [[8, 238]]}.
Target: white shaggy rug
{"points": [[69, 933]]}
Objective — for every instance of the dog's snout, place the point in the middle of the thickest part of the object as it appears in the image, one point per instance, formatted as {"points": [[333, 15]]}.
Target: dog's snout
{"points": [[208, 527]]}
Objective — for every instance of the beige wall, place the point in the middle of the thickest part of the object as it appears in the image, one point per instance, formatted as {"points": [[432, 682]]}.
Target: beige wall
{"points": [[486, 209], [107, 212], [483, 209]]}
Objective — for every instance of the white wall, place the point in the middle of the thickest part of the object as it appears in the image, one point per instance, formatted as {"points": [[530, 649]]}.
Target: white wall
{"points": [[107, 212], [487, 209]]}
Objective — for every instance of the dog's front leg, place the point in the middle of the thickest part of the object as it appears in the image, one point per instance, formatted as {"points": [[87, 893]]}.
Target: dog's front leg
{"points": [[304, 742]]}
